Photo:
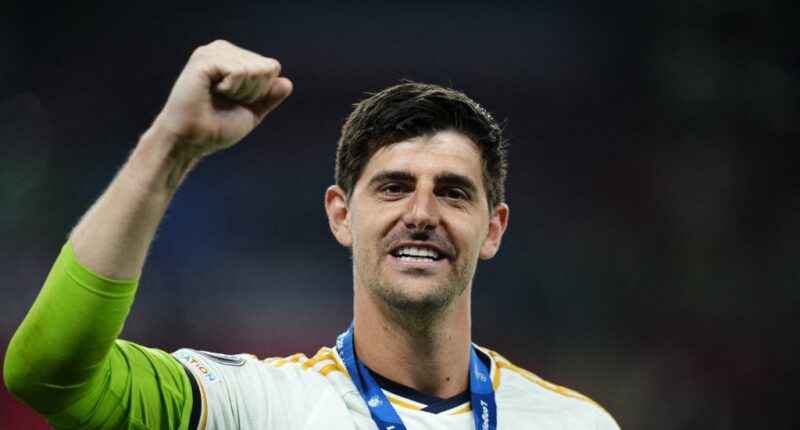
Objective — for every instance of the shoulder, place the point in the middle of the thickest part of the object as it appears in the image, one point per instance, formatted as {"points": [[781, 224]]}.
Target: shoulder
{"points": [[276, 390], [324, 363], [527, 391], [248, 370]]}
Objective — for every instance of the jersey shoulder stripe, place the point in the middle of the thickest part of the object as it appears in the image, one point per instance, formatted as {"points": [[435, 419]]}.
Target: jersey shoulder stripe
{"points": [[323, 362]]}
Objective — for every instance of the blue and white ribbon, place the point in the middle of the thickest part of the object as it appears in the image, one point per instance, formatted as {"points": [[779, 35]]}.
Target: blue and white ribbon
{"points": [[484, 408]]}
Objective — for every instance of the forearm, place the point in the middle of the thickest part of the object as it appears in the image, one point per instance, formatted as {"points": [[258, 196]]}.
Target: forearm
{"points": [[65, 339], [221, 95], [113, 237]]}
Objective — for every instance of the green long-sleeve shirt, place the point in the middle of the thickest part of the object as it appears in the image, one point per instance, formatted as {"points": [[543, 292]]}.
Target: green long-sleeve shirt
{"points": [[66, 362]]}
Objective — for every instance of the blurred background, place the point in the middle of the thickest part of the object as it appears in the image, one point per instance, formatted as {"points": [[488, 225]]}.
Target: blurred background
{"points": [[653, 256]]}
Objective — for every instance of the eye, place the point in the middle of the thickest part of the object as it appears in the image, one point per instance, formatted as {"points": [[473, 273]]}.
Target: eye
{"points": [[392, 189], [455, 194]]}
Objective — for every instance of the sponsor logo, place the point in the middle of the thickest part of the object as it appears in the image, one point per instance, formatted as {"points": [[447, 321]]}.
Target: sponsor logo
{"points": [[374, 402], [196, 366], [484, 415]]}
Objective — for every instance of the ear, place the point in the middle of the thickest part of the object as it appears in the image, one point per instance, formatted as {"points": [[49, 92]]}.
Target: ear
{"points": [[497, 226], [338, 219]]}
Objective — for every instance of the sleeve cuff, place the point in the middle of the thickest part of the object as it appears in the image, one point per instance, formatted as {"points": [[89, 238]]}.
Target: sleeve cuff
{"points": [[93, 282]]}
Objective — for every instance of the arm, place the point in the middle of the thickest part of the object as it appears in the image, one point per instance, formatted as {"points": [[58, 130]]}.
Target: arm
{"points": [[221, 95], [64, 354]]}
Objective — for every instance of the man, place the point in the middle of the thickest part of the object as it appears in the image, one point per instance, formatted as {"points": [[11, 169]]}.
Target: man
{"points": [[418, 199]]}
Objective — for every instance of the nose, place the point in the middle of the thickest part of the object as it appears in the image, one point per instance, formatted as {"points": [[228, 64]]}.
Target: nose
{"points": [[422, 211]]}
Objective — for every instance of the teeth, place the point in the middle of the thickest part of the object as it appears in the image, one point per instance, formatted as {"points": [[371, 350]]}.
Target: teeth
{"points": [[410, 252], [416, 259]]}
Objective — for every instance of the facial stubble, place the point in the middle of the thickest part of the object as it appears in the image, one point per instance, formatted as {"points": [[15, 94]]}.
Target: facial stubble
{"points": [[410, 298]]}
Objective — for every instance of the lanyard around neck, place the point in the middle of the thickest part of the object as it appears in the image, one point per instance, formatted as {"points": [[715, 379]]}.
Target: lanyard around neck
{"points": [[484, 408]]}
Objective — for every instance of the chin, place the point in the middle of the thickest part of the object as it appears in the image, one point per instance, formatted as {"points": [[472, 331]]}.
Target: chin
{"points": [[418, 297]]}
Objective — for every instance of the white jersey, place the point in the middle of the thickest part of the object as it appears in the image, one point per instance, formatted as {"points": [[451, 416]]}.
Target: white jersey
{"points": [[296, 392]]}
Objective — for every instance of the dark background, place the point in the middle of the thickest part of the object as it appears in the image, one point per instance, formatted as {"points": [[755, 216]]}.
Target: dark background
{"points": [[653, 256]]}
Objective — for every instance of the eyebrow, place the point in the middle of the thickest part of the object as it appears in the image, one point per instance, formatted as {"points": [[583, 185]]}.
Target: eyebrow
{"points": [[448, 178], [391, 175], [457, 180]]}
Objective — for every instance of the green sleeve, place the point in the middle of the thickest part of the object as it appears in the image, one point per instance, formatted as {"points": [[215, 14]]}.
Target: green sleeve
{"points": [[66, 363]]}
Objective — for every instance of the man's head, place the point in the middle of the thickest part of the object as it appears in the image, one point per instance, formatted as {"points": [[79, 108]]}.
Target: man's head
{"points": [[418, 198], [414, 109]]}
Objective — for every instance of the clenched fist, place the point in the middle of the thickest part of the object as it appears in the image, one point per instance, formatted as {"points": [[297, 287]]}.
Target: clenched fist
{"points": [[222, 93]]}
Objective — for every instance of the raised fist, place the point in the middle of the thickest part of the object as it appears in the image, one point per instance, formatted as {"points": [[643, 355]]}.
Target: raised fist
{"points": [[222, 93]]}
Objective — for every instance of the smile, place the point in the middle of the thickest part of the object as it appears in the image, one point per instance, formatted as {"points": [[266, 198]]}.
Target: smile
{"points": [[416, 254]]}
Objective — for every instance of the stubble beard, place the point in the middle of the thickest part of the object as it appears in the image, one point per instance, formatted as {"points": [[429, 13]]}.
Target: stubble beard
{"points": [[416, 307]]}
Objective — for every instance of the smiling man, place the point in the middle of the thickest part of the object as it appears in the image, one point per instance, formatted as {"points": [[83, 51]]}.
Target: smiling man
{"points": [[418, 199], [417, 220]]}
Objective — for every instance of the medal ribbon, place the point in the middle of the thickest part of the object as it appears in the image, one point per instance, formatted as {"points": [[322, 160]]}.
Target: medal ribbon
{"points": [[484, 408]]}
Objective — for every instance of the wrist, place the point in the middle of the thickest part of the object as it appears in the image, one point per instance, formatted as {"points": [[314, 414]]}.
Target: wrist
{"points": [[160, 161]]}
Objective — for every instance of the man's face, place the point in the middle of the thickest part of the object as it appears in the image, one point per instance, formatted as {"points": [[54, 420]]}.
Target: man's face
{"points": [[418, 221]]}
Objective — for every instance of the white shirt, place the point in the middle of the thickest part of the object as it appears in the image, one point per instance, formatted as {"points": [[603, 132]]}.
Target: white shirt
{"points": [[296, 392]]}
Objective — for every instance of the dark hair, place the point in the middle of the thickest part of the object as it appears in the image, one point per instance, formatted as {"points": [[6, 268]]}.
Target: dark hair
{"points": [[412, 109]]}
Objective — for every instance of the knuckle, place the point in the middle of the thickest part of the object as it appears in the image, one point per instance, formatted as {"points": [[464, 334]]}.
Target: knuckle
{"points": [[199, 51], [270, 66], [208, 49], [220, 43]]}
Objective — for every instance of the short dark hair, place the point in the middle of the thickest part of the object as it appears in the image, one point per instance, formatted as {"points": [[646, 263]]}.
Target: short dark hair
{"points": [[412, 109]]}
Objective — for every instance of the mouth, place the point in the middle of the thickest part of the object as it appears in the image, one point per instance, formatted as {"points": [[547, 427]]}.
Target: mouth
{"points": [[418, 254]]}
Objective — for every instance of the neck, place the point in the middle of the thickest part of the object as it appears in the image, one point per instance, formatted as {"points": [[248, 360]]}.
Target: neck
{"points": [[429, 352]]}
